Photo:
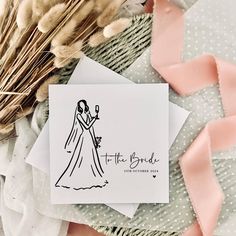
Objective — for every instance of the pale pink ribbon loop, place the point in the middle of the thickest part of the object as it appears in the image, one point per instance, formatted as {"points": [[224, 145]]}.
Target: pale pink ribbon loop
{"points": [[203, 188], [186, 78]]}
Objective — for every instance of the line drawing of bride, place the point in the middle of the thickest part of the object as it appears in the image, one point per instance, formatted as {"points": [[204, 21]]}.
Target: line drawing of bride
{"points": [[84, 170]]}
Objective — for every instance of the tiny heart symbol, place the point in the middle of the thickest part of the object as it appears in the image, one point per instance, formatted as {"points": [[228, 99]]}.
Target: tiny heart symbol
{"points": [[154, 176]]}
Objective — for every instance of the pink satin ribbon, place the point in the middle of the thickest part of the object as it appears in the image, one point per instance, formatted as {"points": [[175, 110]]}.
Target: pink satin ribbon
{"points": [[82, 230], [200, 180], [186, 78]]}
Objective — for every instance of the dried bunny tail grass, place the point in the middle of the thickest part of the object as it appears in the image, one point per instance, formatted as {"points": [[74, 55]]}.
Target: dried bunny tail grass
{"points": [[97, 39], [49, 20], [15, 2], [24, 14], [7, 110], [3, 6], [109, 13], [6, 128], [116, 27], [39, 8], [73, 51], [25, 112], [78, 45], [9, 57], [61, 62], [42, 92], [64, 34], [16, 35], [51, 3], [100, 5], [84, 11]]}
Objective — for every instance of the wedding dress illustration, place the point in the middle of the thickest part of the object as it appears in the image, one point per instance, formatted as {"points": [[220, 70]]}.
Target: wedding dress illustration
{"points": [[84, 170]]}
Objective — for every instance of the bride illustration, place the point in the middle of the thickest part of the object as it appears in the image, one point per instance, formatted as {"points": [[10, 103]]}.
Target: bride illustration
{"points": [[84, 170]]}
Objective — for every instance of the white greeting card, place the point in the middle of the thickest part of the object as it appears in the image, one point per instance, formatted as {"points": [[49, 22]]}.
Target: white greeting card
{"points": [[107, 142], [89, 71]]}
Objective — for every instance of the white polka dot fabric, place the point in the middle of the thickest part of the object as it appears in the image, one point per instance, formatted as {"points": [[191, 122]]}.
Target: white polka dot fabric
{"points": [[210, 28]]}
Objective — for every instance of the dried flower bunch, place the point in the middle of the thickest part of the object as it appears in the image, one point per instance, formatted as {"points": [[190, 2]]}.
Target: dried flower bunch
{"points": [[39, 36]]}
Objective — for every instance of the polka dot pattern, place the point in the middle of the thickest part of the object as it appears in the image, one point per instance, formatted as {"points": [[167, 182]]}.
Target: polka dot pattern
{"points": [[210, 28]]}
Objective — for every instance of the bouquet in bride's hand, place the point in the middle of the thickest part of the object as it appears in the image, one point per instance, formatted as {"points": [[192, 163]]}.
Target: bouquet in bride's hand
{"points": [[98, 141]]}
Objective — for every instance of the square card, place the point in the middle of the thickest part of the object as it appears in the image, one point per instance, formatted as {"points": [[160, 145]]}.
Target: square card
{"points": [[109, 143], [89, 71]]}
